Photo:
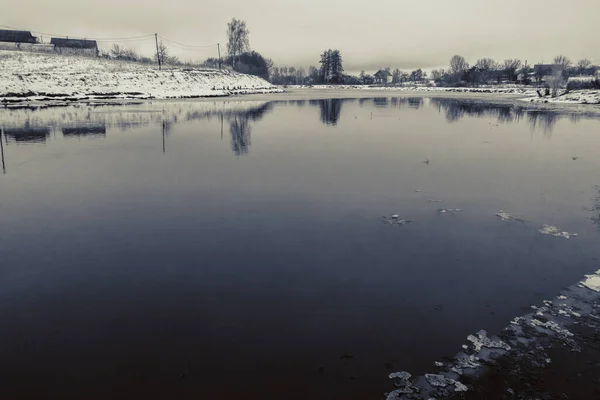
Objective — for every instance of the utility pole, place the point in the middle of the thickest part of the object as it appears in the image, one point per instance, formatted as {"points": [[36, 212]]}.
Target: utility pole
{"points": [[219, 50], [157, 54]]}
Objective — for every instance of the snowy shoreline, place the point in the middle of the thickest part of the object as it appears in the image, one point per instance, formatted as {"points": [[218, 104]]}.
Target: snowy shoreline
{"points": [[529, 93], [49, 78]]}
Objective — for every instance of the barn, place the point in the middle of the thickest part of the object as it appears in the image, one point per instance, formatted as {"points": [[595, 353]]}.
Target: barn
{"points": [[75, 46], [12, 36]]}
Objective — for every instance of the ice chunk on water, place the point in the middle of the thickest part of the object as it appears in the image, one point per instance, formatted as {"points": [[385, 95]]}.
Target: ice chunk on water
{"points": [[481, 340], [395, 219], [438, 380], [554, 231], [592, 281], [553, 326], [504, 216], [459, 387], [449, 210], [438, 364], [403, 375]]}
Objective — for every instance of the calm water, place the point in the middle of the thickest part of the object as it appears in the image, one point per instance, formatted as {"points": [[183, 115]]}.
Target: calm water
{"points": [[236, 249]]}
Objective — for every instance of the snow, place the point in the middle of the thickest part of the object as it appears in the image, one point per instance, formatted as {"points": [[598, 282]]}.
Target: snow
{"points": [[592, 281], [481, 340], [554, 231], [42, 77], [589, 96]]}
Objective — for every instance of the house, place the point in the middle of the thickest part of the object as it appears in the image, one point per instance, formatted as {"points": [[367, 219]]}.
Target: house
{"points": [[12, 36], [75, 46], [542, 70], [382, 77]]}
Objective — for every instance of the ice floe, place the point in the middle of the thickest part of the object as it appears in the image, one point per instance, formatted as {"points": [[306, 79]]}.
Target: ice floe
{"points": [[449, 210], [395, 219], [592, 281], [482, 340], [554, 231]]}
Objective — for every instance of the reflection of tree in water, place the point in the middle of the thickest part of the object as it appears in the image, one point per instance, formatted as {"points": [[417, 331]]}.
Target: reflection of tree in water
{"points": [[595, 218], [330, 110], [381, 102], [415, 102], [543, 120], [239, 127]]}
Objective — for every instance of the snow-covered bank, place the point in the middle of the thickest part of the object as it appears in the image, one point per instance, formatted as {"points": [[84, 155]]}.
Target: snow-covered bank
{"points": [[573, 97], [529, 93], [50, 77]]}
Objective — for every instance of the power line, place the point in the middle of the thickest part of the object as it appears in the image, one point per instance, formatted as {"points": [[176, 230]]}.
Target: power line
{"points": [[187, 45]]}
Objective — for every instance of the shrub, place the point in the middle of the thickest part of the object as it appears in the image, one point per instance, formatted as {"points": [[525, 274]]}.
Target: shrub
{"points": [[581, 84]]}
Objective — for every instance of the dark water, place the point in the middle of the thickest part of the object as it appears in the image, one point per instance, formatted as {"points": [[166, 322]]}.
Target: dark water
{"points": [[236, 249]]}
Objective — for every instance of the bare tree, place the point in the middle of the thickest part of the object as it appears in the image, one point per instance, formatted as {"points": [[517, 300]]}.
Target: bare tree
{"points": [[511, 66], [116, 51], [458, 64], [583, 66], [562, 60], [556, 81], [162, 53], [396, 76], [237, 39]]}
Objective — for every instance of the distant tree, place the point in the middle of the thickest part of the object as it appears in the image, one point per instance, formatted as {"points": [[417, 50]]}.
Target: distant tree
{"points": [[270, 65], [237, 39], [116, 51], [313, 74], [511, 66], [458, 64], [362, 76], [583, 67], [416, 75], [396, 76], [161, 54], [404, 77], [437, 75], [563, 61], [332, 70], [486, 69]]}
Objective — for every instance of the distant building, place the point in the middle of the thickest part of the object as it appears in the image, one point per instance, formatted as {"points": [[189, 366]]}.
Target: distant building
{"points": [[12, 36], [542, 70], [75, 46], [382, 77]]}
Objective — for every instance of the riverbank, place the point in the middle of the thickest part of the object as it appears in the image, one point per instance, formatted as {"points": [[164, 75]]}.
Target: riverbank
{"points": [[524, 93], [49, 78]]}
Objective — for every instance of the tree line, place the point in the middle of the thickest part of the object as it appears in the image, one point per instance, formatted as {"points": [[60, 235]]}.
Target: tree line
{"points": [[485, 71]]}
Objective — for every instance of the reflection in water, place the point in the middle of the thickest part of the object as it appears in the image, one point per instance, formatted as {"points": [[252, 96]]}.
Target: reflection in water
{"points": [[330, 110], [596, 208], [84, 131], [415, 102], [2, 150], [28, 134], [381, 102], [543, 120], [239, 128]]}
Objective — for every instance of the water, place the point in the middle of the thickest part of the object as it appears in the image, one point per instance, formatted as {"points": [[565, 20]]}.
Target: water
{"points": [[236, 249]]}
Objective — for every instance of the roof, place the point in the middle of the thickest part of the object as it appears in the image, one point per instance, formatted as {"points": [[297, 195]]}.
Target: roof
{"points": [[382, 73], [7, 35], [74, 43]]}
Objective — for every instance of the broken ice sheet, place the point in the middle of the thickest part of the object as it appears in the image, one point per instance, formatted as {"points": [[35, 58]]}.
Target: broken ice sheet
{"points": [[592, 281], [554, 231], [395, 219], [449, 210], [481, 340], [442, 381], [504, 216]]}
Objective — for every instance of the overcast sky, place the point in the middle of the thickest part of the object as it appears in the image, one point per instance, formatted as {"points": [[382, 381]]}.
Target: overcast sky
{"points": [[403, 34]]}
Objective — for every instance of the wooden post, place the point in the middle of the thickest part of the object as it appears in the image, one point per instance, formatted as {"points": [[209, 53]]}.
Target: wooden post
{"points": [[157, 54], [164, 126], [219, 50]]}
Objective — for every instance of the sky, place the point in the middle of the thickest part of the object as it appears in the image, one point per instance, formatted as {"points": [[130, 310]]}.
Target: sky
{"points": [[369, 34]]}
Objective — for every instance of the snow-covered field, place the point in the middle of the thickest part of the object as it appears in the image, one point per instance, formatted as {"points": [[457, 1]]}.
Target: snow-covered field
{"points": [[573, 97], [43, 77]]}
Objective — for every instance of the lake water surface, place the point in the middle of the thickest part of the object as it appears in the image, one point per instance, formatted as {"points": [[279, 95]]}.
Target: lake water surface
{"points": [[236, 249]]}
